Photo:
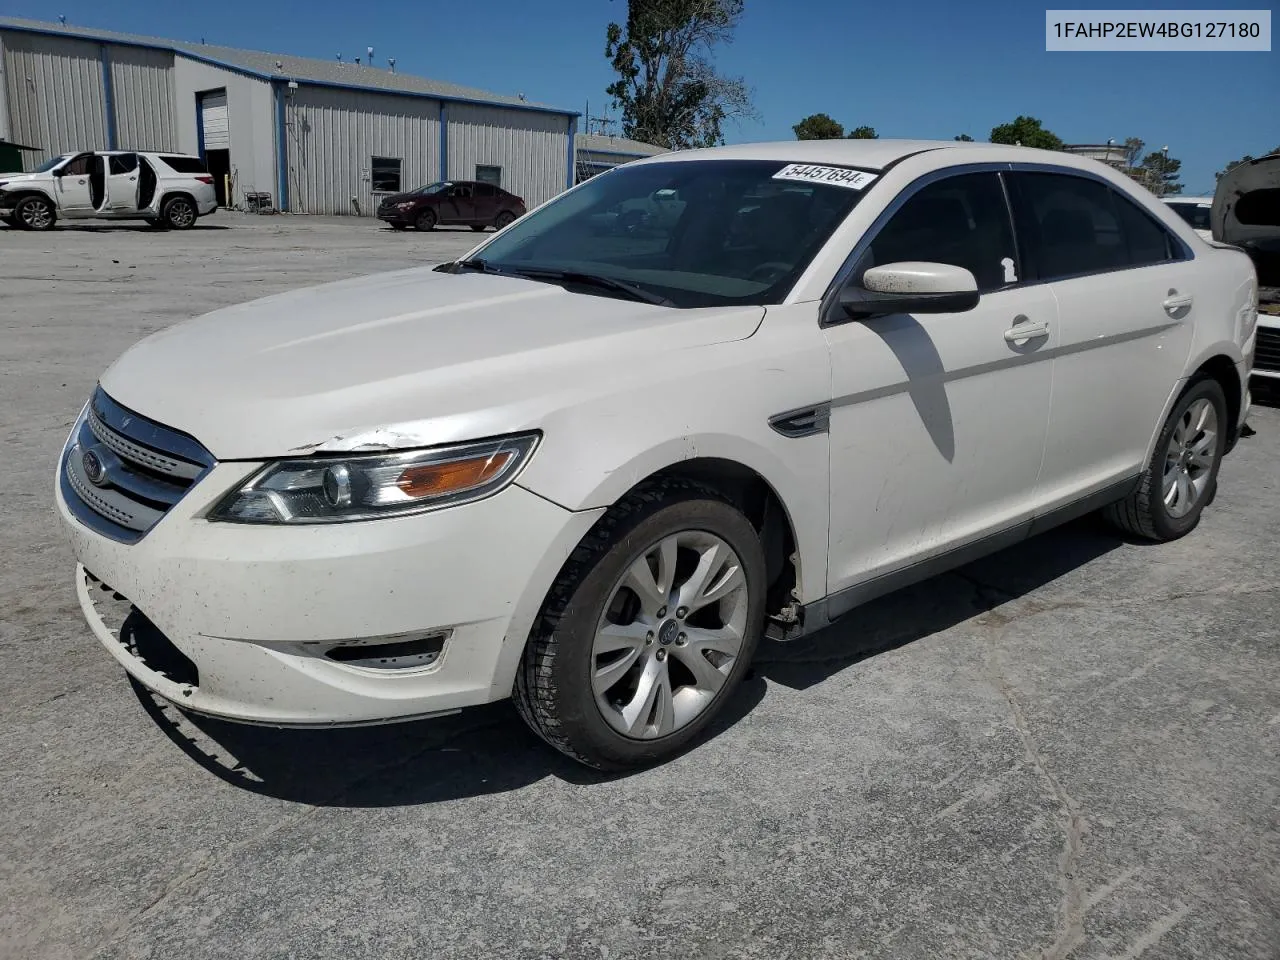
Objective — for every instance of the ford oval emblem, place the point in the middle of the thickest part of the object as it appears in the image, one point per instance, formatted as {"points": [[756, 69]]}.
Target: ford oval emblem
{"points": [[94, 469]]}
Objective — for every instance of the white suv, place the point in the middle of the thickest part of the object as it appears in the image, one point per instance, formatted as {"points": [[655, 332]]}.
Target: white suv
{"points": [[590, 468], [167, 189]]}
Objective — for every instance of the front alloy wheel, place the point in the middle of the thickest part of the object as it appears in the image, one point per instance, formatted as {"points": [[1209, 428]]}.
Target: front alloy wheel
{"points": [[35, 213], [648, 629], [670, 635]]}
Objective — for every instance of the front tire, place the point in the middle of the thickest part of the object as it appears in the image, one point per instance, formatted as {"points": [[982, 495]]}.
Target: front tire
{"points": [[179, 213], [35, 213], [504, 219], [426, 221], [1182, 477], [648, 630]]}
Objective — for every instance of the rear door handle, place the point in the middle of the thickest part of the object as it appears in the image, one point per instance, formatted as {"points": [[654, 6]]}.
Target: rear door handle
{"points": [[1024, 329], [1176, 303]]}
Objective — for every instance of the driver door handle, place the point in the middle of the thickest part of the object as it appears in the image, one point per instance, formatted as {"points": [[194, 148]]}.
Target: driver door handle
{"points": [[1176, 303], [1024, 329]]}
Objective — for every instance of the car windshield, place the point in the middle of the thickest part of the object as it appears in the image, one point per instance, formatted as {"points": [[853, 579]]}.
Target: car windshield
{"points": [[1194, 214], [50, 164], [692, 233], [431, 188]]}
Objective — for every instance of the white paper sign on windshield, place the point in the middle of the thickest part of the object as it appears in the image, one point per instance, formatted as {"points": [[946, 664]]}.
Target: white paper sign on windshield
{"points": [[815, 173]]}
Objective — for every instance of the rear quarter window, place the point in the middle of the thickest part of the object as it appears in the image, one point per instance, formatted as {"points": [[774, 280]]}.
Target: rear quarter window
{"points": [[185, 164]]}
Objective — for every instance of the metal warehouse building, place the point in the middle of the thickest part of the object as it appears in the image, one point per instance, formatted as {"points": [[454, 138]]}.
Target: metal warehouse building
{"points": [[597, 153], [321, 137]]}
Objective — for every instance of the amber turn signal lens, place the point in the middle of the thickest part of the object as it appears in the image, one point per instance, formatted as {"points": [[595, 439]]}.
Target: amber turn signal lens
{"points": [[434, 479]]}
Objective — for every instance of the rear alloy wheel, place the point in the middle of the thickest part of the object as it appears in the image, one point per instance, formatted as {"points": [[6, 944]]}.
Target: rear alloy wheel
{"points": [[1182, 476], [650, 627], [503, 219], [426, 221], [179, 213], [35, 213]]}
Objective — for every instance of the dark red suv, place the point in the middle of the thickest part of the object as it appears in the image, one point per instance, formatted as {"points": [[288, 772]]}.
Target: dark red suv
{"points": [[470, 202]]}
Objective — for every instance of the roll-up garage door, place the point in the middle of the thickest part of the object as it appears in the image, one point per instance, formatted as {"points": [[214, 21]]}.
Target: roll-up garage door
{"points": [[213, 117]]}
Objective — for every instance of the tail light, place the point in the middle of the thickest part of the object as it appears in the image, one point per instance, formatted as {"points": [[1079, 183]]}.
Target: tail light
{"points": [[208, 180]]}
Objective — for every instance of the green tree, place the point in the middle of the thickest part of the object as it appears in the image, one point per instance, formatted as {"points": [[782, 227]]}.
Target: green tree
{"points": [[1028, 132], [667, 88], [1160, 174], [863, 133], [818, 126], [1245, 159], [1133, 151], [963, 138]]}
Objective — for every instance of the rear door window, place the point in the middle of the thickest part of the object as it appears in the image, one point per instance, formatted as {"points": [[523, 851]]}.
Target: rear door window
{"points": [[185, 164], [1070, 226], [1146, 240], [120, 163]]}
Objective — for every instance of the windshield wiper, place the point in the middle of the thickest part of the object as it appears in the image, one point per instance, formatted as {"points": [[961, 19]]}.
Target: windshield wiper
{"points": [[631, 290], [475, 263]]}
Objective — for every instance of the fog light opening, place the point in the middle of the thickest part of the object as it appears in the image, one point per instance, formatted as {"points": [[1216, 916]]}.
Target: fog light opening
{"points": [[389, 654]]}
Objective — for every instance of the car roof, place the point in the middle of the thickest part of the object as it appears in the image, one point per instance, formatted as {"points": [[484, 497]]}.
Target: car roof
{"points": [[878, 155]]}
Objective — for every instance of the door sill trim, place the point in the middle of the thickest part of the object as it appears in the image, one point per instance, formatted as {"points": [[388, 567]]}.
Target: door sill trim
{"points": [[826, 611]]}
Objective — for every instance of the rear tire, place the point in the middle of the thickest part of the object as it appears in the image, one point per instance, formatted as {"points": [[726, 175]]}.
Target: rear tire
{"points": [[426, 221], [9, 220], [399, 226], [1182, 477], [573, 687], [179, 213], [478, 227], [35, 213]]}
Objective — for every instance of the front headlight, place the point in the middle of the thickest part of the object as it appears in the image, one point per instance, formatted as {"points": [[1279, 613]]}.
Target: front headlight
{"points": [[335, 489], [405, 205]]}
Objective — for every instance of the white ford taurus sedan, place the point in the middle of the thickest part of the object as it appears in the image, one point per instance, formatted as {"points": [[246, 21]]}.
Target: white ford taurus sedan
{"points": [[591, 463]]}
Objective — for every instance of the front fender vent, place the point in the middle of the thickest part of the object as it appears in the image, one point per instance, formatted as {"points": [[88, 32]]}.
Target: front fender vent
{"points": [[804, 422]]}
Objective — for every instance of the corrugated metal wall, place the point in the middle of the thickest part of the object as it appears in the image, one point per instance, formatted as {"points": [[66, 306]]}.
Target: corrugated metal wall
{"points": [[55, 94], [333, 134], [531, 148], [142, 89]]}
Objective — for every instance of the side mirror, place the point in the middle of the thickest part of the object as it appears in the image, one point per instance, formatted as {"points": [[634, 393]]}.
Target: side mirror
{"points": [[911, 287], [60, 172]]}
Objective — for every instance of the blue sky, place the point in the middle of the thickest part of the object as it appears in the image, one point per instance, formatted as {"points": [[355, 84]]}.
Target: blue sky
{"points": [[928, 69]]}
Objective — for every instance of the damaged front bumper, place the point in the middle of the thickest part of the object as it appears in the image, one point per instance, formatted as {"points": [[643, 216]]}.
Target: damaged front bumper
{"points": [[338, 625]]}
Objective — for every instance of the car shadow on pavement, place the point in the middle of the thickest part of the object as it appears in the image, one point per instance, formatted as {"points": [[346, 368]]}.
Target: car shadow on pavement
{"points": [[131, 226], [483, 750], [937, 604], [487, 750]]}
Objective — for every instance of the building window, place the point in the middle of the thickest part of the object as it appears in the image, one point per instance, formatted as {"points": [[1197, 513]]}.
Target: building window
{"points": [[486, 174], [386, 174]]}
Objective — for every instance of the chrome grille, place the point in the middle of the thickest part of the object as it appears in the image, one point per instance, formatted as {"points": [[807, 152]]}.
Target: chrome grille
{"points": [[1267, 354], [121, 472]]}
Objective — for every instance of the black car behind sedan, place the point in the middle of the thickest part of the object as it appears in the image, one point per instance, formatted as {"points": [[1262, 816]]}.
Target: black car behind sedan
{"points": [[469, 203]]}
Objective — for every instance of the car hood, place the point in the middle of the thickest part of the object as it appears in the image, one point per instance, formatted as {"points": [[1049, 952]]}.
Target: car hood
{"points": [[400, 198], [1245, 208], [8, 178], [404, 359]]}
